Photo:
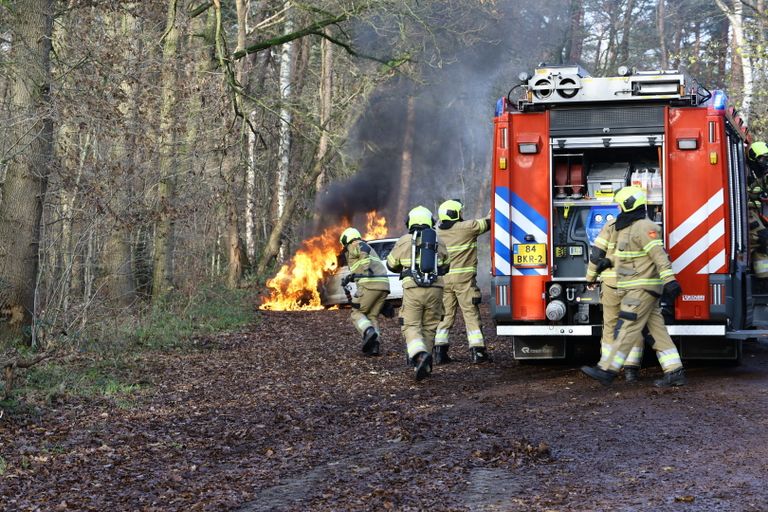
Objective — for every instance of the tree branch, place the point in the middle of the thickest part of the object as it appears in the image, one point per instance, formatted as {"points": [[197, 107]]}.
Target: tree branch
{"points": [[391, 63], [286, 38], [200, 9]]}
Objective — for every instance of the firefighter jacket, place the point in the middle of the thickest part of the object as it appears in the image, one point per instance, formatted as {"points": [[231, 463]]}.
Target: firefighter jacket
{"points": [[605, 242], [365, 263], [640, 259], [461, 241], [399, 260]]}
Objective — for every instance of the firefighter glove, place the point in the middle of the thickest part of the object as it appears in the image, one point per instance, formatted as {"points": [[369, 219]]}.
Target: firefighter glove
{"points": [[602, 264], [671, 291]]}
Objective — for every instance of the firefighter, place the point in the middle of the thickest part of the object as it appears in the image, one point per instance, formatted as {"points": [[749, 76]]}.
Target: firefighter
{"points": [[601, 265], [368, 271], [460, 237], [757, 159], [644, 274], [421, 260]]}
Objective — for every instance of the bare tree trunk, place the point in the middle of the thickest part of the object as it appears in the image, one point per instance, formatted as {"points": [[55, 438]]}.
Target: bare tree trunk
{"points": [[117, 256], [70, 285], [27, 175], [661, 27], [326, 103], [576, 40], [406, 162], [741, 60], [762, 40], [613, 30], [721, 57], [162, 271], [623, 54], [234, 247], [696, 67], [238, 254], [284, 143]]}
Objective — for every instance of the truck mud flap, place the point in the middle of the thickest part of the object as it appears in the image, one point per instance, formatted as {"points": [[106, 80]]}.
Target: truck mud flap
{"points": [[710, 348], [552, 347]]}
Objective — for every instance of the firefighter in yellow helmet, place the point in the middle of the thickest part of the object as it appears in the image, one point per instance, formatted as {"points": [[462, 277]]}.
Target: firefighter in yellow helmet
{"points": [[422, 260], [368, 271], [601, 266], [643, 273], [461, 290], [757, 159]]}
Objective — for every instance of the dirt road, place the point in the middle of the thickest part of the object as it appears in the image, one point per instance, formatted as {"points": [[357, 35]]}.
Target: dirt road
{"points": [[288, 416]]}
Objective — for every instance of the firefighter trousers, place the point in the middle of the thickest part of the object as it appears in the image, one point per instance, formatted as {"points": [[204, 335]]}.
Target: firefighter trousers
{"points": [[366, 306], [610, 299], [640, 309], [420, 313], [464, 295]]}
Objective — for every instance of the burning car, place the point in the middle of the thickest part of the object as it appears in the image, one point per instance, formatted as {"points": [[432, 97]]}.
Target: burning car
{"points": [[315, 270], [333, 294]]}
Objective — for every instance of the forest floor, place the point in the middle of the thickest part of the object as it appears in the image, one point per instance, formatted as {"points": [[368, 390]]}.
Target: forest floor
{"points": [[289, 416]]}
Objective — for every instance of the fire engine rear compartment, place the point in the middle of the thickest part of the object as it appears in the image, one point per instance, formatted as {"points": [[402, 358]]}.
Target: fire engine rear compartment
{"points": [[584, 169], [585, 173]]}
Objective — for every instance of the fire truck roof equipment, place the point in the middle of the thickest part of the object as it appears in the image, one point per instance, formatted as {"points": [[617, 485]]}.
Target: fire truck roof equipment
{"points": [[568, 85]]}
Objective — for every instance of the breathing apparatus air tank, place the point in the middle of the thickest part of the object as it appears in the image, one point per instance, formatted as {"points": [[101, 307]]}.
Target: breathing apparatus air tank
{"points": [[424, 256]]}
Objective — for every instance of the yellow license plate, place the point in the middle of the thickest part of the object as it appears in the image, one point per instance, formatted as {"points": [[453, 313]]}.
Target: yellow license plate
{"points": [[529, 255]]}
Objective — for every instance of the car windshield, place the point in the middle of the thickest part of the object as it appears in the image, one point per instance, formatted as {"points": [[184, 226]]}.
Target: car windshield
{"points": [[382, 248]]}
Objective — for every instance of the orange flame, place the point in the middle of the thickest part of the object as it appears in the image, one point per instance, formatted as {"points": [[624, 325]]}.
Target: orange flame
{"points": [[375, 227], [295, 286]]}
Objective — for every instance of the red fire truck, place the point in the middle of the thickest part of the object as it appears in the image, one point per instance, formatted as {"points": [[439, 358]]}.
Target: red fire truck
{"points": [[559, 154]]}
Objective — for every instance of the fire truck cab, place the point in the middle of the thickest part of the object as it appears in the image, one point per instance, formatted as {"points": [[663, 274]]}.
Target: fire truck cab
{"points": [[559, 154]]}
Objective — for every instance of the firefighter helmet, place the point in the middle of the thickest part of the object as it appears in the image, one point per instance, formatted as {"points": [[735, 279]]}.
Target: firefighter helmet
{"points": [[348, 235], [419, 216], [630, 198], [450, 210], [757, 149]]}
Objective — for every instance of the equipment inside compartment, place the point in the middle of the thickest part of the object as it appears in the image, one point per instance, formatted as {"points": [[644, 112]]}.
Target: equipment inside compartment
{"points": [[584, 184]]}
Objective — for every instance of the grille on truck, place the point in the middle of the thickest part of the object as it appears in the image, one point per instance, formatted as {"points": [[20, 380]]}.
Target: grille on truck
{"points": [[606, 121]]}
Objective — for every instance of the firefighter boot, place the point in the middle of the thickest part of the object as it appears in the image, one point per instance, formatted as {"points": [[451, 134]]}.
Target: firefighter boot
{"points": [[422, 363], [631, 374], [604, 377], [441, 355], [370, 340], [672, 379], [479, 355]]}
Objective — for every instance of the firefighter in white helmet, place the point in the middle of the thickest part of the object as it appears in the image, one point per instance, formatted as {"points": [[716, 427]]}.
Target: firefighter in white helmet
{"points": [[644, 273], [367, 270], [422, 260], [461, 290]]}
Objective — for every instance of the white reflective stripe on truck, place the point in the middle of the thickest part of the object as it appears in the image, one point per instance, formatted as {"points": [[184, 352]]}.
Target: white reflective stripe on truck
{"points": [[696, 330], [544, 330], [586, 330]]}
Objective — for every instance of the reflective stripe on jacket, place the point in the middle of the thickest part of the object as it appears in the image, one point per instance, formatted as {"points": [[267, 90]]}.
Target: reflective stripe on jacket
{"points": [[640, 259], [364, 262], [461, 241]]}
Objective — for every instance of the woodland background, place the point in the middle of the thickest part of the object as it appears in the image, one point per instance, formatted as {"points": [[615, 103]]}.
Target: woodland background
{"points": [[158, 159]]}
